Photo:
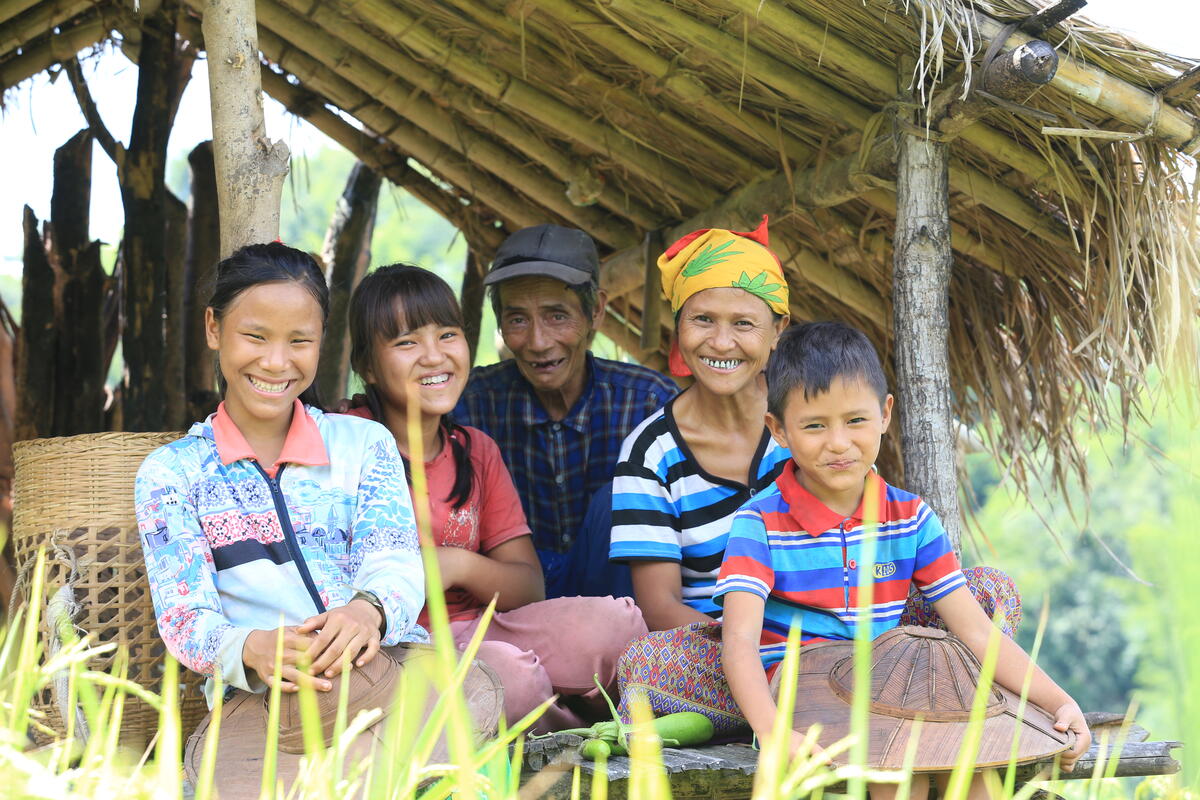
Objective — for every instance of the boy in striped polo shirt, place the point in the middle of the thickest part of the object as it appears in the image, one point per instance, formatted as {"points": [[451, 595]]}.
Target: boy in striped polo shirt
{"points": [[795, 549]]}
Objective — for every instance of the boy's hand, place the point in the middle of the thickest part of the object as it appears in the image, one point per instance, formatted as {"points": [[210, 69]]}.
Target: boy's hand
{"points": [[1069, 717], [352, 628]]}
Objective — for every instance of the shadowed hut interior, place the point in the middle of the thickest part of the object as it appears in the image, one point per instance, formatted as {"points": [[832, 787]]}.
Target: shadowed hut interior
{"points": [[1074, 256]]}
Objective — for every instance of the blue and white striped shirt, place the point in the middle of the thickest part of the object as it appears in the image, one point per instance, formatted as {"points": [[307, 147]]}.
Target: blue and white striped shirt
{"points": [[666, 507]]}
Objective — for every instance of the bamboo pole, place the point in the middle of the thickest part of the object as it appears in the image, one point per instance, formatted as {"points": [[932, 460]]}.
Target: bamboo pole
{"points": [[46, 17], [387, 88], [715, 44], [89, 29], [921, 322], [517, 211], [818, 41], [682, 135], [1142, 109], [9, 9], [367, 147], [510, 91], [684, 88], [820, 99], [250, 167], [471, 106]]}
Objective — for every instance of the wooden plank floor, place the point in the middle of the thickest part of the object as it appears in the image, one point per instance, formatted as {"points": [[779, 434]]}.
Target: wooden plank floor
{"points": [[726, 771]]}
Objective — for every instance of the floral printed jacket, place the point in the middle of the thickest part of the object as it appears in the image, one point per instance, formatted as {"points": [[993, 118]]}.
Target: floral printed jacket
{"points": [[229, 550]]}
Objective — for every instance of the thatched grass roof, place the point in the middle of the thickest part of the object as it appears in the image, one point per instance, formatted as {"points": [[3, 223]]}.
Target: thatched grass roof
{"points": [[1075, 256]]}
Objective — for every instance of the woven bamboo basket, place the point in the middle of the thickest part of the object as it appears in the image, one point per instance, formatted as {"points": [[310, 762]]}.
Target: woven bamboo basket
{"points": [[74, 496]]}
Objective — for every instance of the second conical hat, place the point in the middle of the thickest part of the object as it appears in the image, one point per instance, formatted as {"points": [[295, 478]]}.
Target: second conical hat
{"points": [[919, 674]]}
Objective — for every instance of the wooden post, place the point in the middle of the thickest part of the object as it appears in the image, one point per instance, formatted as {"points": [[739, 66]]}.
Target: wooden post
{"points": [[144, 248], [35, 373], [204, 237], [78, 398], [174, 392], [347, 253], [472, 295], [920, 292], [250, 167]]}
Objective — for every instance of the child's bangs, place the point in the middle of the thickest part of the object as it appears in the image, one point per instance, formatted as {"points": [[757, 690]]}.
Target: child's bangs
{"points": [[413, 304]]}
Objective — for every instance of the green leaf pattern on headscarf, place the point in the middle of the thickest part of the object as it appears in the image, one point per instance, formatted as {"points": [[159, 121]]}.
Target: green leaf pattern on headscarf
{"points": [[707, 258], [759, 287]]}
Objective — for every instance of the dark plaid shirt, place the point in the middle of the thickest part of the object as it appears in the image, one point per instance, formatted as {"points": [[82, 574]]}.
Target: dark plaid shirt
{"points": [[558, 466]]}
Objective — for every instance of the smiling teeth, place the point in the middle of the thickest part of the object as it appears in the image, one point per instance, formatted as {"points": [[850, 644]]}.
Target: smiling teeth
{"points": [[729, 363], [270, 388], [433, 380]]}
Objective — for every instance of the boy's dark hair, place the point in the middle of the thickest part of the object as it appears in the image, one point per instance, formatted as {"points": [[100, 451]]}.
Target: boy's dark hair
{"points": [[387, 302], [812, 355], [257, 264]]}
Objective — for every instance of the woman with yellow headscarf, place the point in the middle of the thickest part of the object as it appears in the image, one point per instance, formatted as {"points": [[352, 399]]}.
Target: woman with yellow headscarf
{"points": [[684, 472]]}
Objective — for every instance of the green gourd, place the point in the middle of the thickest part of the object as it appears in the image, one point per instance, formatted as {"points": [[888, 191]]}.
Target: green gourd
{"points": [[611, 737]]}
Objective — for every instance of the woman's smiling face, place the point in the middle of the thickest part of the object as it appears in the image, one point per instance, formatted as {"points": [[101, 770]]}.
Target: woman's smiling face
{"points": [[726, 336], [269, 343]]}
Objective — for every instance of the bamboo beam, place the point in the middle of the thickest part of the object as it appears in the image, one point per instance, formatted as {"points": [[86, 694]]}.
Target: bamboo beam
{"points": [[46, 17], [629, 341], [922, 262], [1139, 108], [686, 89], [515, 210], [682, 134], [393, 165], [510, 91], [821, 99], [90, 29], [791, 82], [1183, 88], [397, 94], [470, 105], [9, 9], [834, 52]]}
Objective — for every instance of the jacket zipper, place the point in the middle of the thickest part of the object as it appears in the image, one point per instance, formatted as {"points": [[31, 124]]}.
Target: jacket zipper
{"points": [[289, 535]]}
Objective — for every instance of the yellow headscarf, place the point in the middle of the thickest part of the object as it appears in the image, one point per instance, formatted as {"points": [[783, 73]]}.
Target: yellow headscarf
{"points": [[714, 258]]}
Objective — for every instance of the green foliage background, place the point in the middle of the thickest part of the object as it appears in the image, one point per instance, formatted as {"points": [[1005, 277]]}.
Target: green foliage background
{"points": [[1094, 562]]}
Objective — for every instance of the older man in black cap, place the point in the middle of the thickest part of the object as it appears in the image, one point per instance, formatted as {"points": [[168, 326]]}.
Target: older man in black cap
{"points": [[558, 413]]}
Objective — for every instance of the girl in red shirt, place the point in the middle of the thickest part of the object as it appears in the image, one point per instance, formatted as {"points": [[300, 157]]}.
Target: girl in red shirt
{"points": [[407, 340]]}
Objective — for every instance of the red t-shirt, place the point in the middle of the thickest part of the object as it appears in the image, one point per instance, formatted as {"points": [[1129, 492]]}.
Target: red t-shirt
{"points": [[491, 516]]}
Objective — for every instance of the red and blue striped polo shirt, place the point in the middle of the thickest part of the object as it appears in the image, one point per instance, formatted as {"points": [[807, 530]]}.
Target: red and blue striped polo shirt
{"points": [[804, 560]]}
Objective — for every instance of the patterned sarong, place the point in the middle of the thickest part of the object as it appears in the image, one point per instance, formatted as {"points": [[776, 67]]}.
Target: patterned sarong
{"points": [[681, 670]]}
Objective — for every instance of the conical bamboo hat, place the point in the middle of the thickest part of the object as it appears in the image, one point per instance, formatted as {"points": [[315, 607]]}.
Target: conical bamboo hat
{"points": [[925, 675]]}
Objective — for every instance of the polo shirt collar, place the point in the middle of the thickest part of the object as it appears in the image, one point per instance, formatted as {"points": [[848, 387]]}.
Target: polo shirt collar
{"points": [[302, 445], [580, 414], [814, 516]]}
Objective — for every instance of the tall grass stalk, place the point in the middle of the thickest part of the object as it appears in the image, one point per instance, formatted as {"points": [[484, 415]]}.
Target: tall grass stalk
{"points": [[864, 634]]}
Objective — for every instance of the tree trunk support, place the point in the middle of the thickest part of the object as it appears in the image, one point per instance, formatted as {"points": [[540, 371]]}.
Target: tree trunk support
{"points": [[921, 324], [347, 253], [250, 167]]}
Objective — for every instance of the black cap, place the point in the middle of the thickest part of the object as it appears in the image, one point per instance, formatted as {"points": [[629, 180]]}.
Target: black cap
{"points": [[567, 254]]}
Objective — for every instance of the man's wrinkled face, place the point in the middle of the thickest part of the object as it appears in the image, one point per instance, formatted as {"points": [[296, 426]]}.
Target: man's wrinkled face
{"points": [[543, 324]]}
